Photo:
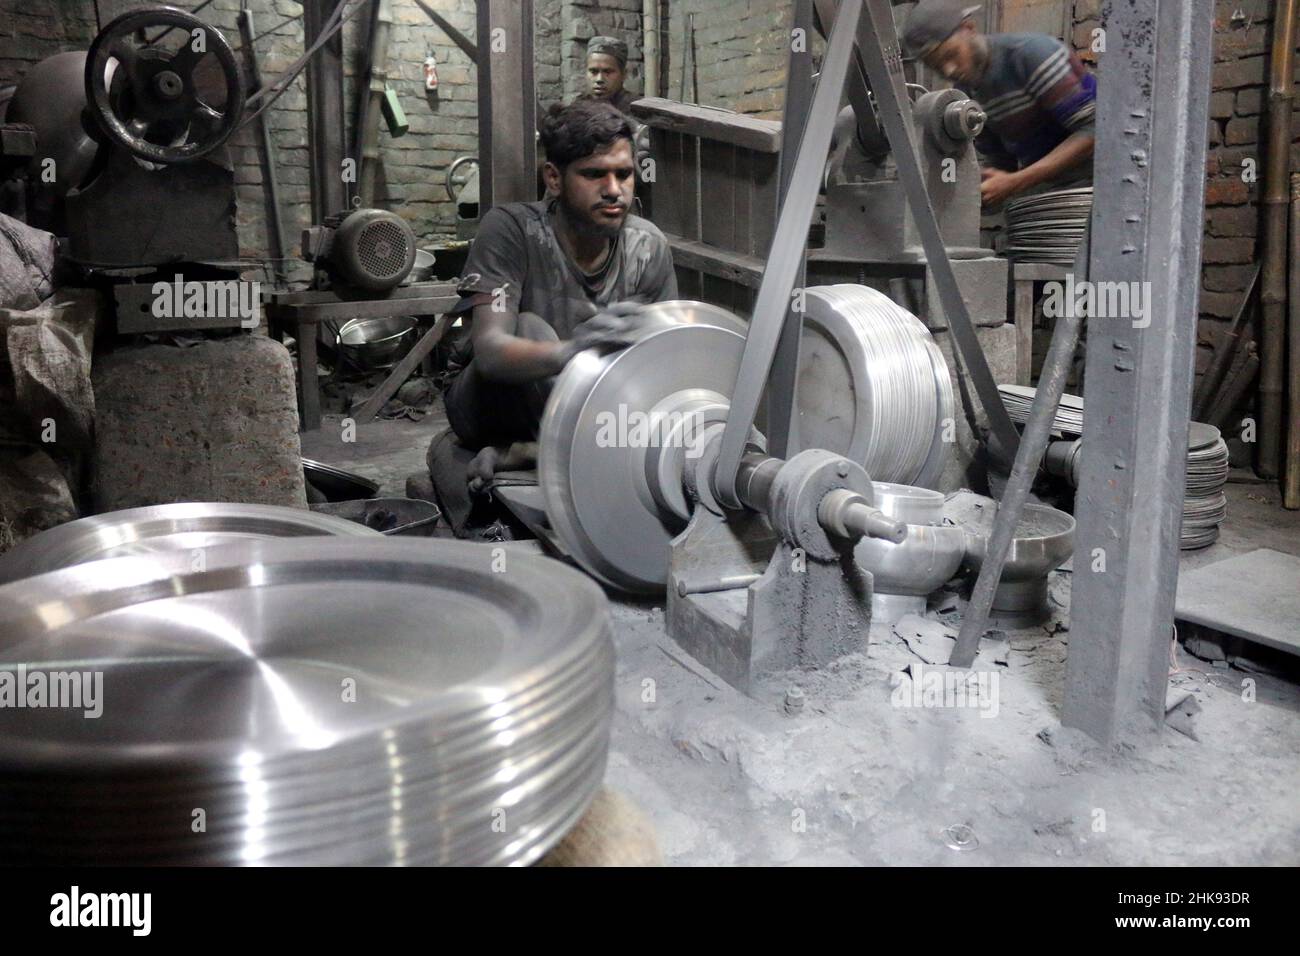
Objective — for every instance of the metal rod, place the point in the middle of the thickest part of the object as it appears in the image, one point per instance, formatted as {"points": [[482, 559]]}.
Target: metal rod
{"points": [[368, 130], [1272, 295], [771, 305], [1235, 387], [1033, 443], [650, 45], [1291, 461], [324, 112], [1224, 354], [782, 384], [467, 46], [276, 231], [732, 582]]}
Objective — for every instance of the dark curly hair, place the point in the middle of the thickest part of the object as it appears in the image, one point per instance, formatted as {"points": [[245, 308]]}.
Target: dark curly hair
{"points": [[584, 127]]}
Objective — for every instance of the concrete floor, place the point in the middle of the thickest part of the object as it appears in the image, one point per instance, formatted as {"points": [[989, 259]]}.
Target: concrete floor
{"points": [[854, 779]]}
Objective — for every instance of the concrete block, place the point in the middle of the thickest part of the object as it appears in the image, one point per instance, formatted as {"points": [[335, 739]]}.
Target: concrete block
{"points": [[983, 284], [214, 422]]}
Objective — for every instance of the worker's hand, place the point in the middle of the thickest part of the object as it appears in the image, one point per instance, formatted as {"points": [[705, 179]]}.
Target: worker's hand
{"points": [[617, 326], [998, 186]]}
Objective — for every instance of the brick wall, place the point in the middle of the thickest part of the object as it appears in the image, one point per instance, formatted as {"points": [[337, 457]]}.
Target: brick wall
{"points": [[1242, 41], [741, 48]]}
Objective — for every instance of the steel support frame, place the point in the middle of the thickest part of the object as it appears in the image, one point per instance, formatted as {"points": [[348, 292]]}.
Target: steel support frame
{"points": [[1152, 110], [325, 120], [507, 103], [782, 423], [862, 28]]}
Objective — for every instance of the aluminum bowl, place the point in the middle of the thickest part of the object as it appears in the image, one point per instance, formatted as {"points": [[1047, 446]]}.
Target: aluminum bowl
{"points": [[904, 574], [1044, 540], [376, 343]]}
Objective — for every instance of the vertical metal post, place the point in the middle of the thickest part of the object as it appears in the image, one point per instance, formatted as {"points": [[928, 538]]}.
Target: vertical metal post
{"points": [[325, 122], [781, 398], [1152, 113], [507, 103], [275, 221]]}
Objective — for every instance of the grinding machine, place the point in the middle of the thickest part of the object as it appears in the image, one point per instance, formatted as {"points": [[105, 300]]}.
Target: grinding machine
{"points": [[764, 542]]}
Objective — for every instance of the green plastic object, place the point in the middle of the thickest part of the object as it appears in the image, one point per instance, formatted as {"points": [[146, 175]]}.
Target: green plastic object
{"points": [[394, 115]]}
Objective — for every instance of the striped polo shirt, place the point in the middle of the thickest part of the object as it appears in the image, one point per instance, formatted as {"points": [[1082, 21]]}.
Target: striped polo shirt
{"points": [[1037, 93]]}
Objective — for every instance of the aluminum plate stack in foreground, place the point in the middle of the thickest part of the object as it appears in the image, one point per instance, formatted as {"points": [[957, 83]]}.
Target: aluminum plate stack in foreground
{"points": [[319, 701]]}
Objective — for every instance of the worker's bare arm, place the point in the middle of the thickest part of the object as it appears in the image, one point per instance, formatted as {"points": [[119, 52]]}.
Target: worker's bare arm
{"points": [[1069, 153], [503, 356], [999, 186]]}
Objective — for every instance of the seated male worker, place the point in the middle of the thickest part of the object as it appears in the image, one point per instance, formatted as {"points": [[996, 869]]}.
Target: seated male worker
{"points": [[544, 281], [1039, 97]]}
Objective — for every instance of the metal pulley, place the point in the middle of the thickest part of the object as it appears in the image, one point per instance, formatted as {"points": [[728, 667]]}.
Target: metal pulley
{"points": [[629, 441], [165, 102], [950, 118], [460, 174]]}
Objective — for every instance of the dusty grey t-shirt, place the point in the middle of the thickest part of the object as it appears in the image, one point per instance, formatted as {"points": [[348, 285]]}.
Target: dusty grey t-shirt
{"points": [[516, 250]]}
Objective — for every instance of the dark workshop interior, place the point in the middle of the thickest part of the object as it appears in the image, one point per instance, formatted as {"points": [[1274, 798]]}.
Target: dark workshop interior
{"points": [[649, 433]]}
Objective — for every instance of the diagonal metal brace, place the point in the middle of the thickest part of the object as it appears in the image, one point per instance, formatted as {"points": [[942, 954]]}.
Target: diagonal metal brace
{"points": [[878, 44], [786, 254]]}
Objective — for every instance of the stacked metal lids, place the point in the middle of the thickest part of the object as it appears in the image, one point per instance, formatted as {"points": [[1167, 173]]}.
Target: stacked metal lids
{"points": [[318, 701], [1048, 226], [873, 385], [1205, 506], [1020, 398], [185, 526]]}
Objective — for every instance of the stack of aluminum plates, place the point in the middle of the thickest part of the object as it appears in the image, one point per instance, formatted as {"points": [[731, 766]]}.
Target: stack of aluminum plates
{"points": [[1205, 506], [1047, 227], [873, 385], [324, 701], [186, 526], [1020, 398]]}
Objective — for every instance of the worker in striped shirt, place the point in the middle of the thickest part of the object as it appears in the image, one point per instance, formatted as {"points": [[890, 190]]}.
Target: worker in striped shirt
{"points": [[1039, 97]]}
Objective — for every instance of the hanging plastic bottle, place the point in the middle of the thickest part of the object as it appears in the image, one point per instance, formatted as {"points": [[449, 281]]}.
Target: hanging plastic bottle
{"points": [[431, 72]]}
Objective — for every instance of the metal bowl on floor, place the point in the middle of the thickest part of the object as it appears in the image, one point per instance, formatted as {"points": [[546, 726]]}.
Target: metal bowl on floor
{"points": [[389, 516], [335, 483], [185, 526], [905, 574], [1044, 540], [374, 344]]}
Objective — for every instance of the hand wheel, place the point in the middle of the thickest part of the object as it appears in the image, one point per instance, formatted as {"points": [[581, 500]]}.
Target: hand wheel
{"points": [[162, 102], [459, 174]]}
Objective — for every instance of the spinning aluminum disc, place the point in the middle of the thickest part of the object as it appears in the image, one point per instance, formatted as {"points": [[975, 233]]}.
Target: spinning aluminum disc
{"points": [[872, 385], [323, 702], [613, 418], [176, 527]]}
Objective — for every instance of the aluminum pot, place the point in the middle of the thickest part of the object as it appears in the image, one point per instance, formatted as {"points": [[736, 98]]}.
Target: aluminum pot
{"points": [[904, 574]]}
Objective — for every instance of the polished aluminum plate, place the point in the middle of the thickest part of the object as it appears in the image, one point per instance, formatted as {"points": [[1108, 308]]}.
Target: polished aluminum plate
{"points": [[323, 701], [873, 386], [186, 526], [593, 478]]}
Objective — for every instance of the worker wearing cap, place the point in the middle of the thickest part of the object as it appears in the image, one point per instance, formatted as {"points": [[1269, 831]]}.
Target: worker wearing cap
{"points": [[607, 71], [1039, 97]]}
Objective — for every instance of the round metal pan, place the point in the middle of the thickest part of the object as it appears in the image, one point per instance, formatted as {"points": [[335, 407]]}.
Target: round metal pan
{"points": [[184, 526]]}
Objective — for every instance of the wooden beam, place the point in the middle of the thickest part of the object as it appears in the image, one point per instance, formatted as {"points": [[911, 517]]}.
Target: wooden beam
{"points": [[708, 122]]}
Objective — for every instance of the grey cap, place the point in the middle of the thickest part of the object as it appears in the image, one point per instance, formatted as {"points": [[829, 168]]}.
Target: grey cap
{"points": [[611, 45], [933, 21]]}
